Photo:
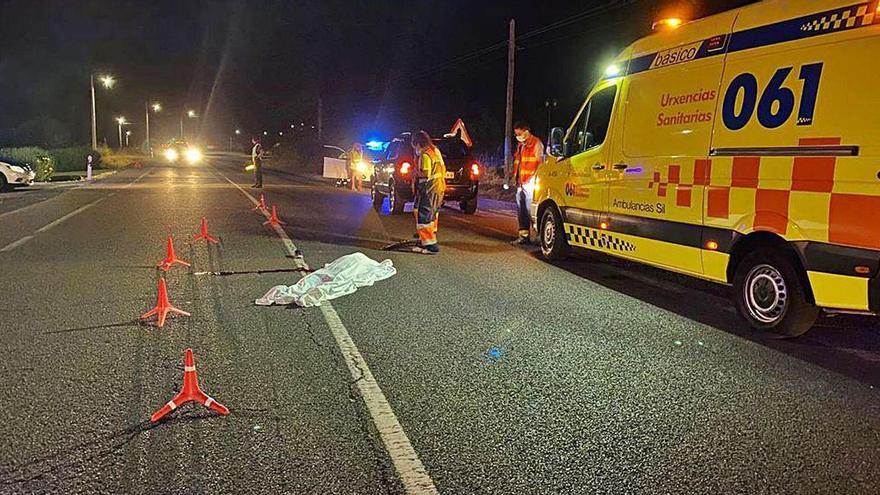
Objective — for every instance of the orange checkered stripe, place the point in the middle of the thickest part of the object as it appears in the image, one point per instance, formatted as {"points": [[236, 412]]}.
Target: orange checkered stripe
{"points": [[850, 218]]}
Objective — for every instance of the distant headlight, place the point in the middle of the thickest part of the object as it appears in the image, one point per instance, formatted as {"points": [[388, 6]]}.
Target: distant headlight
{"points": [[193, 155], [361, 167], [171, 155], [17, 169]]}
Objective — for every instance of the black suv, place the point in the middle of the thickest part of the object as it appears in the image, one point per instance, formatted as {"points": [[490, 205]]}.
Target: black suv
{"points": [[392, 175]]}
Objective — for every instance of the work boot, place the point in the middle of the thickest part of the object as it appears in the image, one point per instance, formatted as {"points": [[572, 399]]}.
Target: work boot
{"points": [[432, 249], [521, 241]]}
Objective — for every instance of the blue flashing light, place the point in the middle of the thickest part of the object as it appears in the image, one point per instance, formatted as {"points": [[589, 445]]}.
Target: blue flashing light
{"points": [[375, 145]]}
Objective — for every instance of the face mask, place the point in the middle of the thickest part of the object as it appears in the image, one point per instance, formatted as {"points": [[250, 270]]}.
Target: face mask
{"points": [[521, 139]]}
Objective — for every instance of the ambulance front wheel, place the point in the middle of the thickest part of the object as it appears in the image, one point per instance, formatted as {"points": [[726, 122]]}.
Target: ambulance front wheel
{"points": [[770, 296], [551, 233]]}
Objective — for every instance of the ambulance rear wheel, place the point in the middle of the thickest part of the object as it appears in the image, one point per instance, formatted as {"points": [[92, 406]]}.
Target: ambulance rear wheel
{"points": [[770, 296], [551, 232]]}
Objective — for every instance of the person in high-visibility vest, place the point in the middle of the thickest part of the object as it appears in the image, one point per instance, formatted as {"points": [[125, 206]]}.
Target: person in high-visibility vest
{"points": [[529, 155], [257, 162], [356, 166], [430, 182]]}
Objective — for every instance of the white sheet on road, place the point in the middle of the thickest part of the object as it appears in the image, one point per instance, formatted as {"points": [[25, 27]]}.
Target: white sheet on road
{"points": [[340, 278]]}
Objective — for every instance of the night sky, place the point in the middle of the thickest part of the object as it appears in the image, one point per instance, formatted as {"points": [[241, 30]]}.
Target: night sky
{"points": [[380, 67]]}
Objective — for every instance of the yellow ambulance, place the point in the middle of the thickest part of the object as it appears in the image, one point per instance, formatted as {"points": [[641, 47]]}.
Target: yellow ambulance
{"points": [[742, 148]]}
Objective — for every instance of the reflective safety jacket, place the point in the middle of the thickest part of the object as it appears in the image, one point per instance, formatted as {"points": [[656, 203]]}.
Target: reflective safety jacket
{"points": [[432, 167], [355, 156], [528, 156], [257, 153]]}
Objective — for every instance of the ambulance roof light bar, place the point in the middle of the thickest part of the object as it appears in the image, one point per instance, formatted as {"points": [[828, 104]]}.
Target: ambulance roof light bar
{"points": [[669, 22]]}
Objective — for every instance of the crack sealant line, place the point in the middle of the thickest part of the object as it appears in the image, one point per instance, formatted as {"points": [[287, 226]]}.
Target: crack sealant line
{"points": [[409, 467]]}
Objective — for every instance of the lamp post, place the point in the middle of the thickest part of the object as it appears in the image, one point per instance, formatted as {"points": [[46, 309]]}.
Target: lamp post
{"points": [[127, 136], [108, 82], [550, 104], [156, 107], [191, 114], [120, 121]]}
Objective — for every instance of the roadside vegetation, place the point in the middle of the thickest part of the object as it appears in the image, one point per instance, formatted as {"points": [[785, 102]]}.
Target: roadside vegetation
{"points": [[68, 163]]}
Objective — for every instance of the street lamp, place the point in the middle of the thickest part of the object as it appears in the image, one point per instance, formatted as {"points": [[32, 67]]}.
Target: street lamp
{"points": [[550, 105], [120, 121], [157, 107], [107, 82], [237, 133], [127, 136], [191, 114]]}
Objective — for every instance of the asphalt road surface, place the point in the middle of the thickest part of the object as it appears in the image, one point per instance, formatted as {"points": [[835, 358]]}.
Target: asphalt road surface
{"points": [[481, 370]]}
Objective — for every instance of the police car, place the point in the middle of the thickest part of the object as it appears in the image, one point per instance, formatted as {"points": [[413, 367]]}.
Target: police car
{"points": [[740, 148]]}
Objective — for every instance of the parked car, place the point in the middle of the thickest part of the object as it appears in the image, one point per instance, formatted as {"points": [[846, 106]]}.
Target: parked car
{"points": [[14, 173], [393, 174]]}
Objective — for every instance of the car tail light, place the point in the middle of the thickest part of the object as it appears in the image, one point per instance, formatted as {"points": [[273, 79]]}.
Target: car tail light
{"points": [[475, 171], [405, 168]]}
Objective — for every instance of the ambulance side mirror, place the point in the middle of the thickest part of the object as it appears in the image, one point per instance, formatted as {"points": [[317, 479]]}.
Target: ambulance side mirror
{"points": [[557, 147]]}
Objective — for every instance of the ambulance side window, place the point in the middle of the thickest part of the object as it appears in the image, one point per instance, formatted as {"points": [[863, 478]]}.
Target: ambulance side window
{"points": [[592, 127]]}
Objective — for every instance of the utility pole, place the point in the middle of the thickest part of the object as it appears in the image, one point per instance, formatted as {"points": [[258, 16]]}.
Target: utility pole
{"points": [[320, 120], [508, 115], [94, 117], [147, 113]]}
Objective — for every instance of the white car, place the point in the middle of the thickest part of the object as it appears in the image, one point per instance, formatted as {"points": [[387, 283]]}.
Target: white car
{"points": [[13, 173]]}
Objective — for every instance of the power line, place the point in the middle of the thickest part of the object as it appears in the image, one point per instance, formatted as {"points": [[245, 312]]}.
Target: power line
{"points": [[592, 12]]}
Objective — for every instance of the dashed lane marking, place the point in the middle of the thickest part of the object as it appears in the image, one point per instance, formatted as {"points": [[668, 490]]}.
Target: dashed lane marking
{"points": [[15, 244], [409, 467], [59, 221]]}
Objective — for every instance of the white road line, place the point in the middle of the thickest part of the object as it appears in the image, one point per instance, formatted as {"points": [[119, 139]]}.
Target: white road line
{"points": [[25, 208], [59, 221], [409, 467], [13, 245], [70, 215]]}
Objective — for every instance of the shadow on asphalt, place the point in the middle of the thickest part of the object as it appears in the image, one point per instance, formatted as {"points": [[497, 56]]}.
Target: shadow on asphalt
{"points": [[849, 345], [128, 323], [67, 463]]}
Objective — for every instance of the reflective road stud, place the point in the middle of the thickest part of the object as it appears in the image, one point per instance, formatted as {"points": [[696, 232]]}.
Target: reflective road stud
{"points": [[170, 257], [190, 392], [163, 306], [273, 220], [203, 233]]}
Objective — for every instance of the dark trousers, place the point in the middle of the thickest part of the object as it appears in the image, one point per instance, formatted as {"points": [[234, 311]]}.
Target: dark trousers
{"points": [[523, 202], [258, 172]]}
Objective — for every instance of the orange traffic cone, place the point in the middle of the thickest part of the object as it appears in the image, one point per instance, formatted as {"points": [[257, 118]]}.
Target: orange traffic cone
{"points": [[163, 306], [203, 233], [273, 220], [170, 257], [262, 205], [190, 392]]}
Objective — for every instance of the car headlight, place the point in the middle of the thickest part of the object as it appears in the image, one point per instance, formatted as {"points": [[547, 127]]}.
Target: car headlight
{"points": [[193, 155], [361, 167], [171, 155], [17, 169]]}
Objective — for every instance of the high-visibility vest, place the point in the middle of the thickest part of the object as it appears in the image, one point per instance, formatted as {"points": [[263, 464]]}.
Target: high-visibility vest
{"points": [[355, 156], [432, 165], [528, 156]]}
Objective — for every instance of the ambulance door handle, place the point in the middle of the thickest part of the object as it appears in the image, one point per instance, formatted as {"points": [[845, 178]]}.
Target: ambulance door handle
{"points": [[620, 166], [598, 166]]}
